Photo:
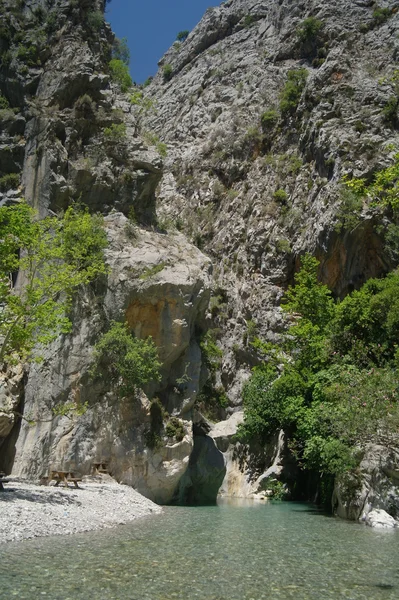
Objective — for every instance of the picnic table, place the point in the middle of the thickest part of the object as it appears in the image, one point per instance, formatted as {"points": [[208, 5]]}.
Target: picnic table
{"points": [[64, 477], [100, 467]]}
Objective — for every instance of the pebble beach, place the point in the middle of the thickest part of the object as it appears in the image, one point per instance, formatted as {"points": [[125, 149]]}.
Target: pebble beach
{"points": [[30, 511]]}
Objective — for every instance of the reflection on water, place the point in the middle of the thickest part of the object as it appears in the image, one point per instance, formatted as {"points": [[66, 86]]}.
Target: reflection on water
{"points": [[238, 550]]}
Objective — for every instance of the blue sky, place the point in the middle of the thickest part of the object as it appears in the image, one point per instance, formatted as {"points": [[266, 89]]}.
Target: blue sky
{"points": [[151, 27]]}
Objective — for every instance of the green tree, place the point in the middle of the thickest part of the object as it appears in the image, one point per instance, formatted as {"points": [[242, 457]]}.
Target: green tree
{"points": [[332, 384], [53, 257], [311, 299], [126, 361]]}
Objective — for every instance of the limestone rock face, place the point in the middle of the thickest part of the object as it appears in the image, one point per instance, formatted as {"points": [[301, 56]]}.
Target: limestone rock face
{"points": [[244, 478], [167, 282], [256, 185], [11, 386], [206, 471], [256, 195], [68, 134], [61, 133], [374, 491]]}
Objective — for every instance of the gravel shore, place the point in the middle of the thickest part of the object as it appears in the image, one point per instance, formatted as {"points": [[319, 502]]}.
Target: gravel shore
{"points": [[28, 511]]}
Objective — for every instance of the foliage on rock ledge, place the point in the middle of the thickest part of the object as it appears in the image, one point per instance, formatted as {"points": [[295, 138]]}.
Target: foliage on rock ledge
{"points": [[383, 190], [126, 361]]}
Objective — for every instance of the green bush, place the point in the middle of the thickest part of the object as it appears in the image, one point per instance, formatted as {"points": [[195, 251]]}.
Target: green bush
{"points": [[51, 23], [348, 214], [125, 361], [283, 246], [383, 190], [380, 15], [182, 35], [153, 140], [292, 91], [3, 102], [152, 436], [28, 55], [336, 386], [85, 106], [390, 111], [120, 51], [269, 119], [95, 20], [39, 13], [174, 429], [212, 401], [211, 352], [391, 240], [9, 182], [249, 20], [309, 29], [167, 71], [57, 257], [276, 489], [116, 132], [120, 74], [152, 271], [280, 196]]}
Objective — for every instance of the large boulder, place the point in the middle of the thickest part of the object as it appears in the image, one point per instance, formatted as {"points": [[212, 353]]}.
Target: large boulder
{"points": [[206, 470], [374, 487]]}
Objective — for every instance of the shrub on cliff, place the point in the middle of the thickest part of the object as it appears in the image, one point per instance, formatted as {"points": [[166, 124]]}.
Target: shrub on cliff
{"points": [[120, 74], [309, 30], [182, 35], [116, 132], [95, 20], [269, 119], [9, 181], [167, 71], [308, 34], [292, 91], [127, 362]]}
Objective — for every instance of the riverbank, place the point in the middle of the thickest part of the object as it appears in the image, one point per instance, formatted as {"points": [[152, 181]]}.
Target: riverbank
{"points": [[30, 511]]}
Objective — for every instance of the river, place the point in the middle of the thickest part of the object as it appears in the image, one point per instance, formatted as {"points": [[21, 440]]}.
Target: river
{"points": [[233, 551]]}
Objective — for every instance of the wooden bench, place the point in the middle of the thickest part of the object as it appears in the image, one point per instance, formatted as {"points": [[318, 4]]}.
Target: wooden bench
{"points": [[100, 468], [3, 480]]}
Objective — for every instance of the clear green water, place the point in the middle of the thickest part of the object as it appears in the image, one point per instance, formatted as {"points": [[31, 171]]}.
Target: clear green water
{"points": [[228, 552]]}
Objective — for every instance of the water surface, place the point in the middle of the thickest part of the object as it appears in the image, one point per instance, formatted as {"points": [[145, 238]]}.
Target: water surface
{"points": [[234, 551]]}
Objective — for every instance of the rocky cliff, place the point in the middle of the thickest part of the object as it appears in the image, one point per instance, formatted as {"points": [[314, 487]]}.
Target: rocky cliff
{"points": [[240, 144], [256, 183], [67, 135], [264, 119]]}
